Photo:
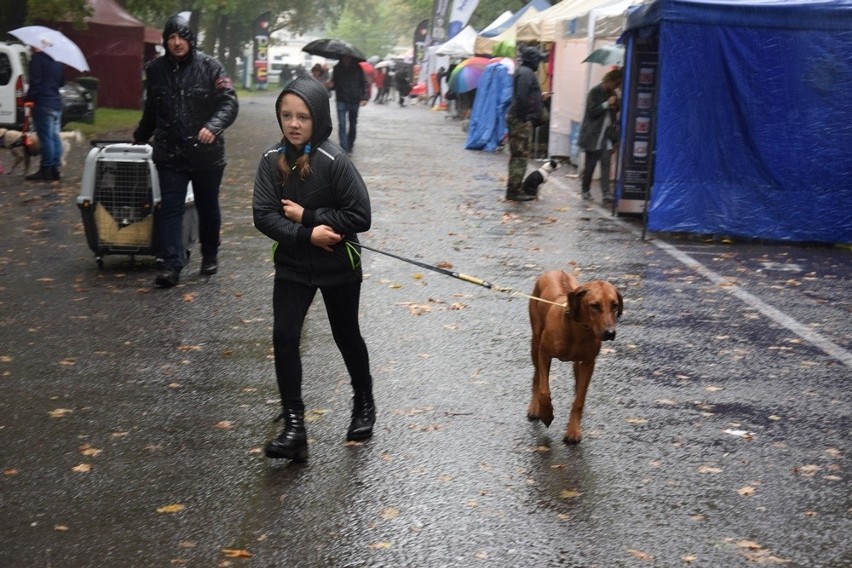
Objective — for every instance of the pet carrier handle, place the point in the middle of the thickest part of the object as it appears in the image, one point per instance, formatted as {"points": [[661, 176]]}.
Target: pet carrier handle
{"points": [[102, 143]]}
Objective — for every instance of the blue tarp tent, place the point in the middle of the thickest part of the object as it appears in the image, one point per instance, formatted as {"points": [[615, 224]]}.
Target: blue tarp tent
{"points": [[754, 117], [488, 116]]}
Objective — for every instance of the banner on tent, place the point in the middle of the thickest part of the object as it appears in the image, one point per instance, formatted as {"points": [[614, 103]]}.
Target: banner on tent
{"points": [[637, 143], [460, 15], [260, 29]]}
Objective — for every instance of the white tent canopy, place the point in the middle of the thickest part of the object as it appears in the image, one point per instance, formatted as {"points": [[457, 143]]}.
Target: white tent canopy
{"points": [[461, 45], [547, 26], [497, 22], [486, 45]]}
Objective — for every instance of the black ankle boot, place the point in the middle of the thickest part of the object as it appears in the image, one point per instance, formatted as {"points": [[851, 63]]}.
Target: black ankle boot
{"points": [[43, 174], [292, 443], [363, 417]]}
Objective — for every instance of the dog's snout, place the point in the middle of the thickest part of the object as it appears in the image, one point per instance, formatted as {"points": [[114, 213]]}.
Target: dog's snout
{"points": [[609, 335]]}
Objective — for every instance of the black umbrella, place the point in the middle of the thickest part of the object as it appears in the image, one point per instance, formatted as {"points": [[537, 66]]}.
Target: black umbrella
{"points": [[333, 49]]}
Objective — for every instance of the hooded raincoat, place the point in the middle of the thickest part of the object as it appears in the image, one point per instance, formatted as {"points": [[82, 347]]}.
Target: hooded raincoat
{"points": [[333, 194], [183, 96]]}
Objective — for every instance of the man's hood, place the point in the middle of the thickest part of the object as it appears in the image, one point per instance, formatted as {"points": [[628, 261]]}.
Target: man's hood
{"points": [[531, 57], [178, 25], [316, 98]]}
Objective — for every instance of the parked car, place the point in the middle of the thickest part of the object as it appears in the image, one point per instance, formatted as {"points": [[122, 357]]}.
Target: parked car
{"points": [[14, 65], [78, 103]]}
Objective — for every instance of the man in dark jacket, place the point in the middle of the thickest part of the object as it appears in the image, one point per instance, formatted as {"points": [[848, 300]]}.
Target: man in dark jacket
{"points": [[45, 80], [600, 115], [351, 91], [190, 102], [524, 115]]}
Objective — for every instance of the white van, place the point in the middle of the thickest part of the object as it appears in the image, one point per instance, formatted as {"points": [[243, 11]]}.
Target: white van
{"points": [[14, 65]]}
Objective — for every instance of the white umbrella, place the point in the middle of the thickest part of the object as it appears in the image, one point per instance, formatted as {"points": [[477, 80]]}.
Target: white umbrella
{"points": [[54, 43]]}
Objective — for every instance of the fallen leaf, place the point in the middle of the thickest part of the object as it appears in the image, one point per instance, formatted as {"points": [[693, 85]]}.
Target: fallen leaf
{"points": [[750, 544], [389, 513], [380, 545], [88, 450], [10, 471], [638, 421], [807, 470], [640, 555], [174, 508], [746, 491], [236, 553], [186, 348], [5, 358], [189, 297], [481, 555], [569, 494], [224, 425], [709, 469], [60, 412], [689, 558], [739, 433], [82, 468], [315, 414], [60, 528]]}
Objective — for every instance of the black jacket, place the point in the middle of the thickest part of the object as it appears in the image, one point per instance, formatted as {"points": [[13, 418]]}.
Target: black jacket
{"points": [[182, 97], [526, 93], [350, 83], [333, 194], [45, 79]]}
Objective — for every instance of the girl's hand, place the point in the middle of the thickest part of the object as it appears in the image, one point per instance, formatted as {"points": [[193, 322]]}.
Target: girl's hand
{"points": [[324, 237], [292, 210]]}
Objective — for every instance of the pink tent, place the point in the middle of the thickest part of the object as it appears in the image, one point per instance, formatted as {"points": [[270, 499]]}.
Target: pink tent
{"points": [[116, 45]]}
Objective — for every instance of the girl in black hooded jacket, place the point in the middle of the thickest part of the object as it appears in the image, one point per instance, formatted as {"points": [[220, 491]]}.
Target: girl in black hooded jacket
{"points": [[310, 199]]}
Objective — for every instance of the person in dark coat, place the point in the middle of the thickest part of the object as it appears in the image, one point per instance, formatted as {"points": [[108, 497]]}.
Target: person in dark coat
{"points": [[525, 114], [189, 103], [402, 82], [311, 201], [351, 91], [43, 94], [600, 115]]}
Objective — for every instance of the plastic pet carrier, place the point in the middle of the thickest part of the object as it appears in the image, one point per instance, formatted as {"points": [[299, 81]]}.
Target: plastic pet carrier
{"points": [[119, 199]]}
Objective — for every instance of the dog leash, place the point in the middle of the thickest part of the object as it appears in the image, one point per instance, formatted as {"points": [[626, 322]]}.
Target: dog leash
{"points": [[458, 275]]}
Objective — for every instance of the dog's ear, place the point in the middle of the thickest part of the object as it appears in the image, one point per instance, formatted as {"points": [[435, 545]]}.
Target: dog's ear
{"points": [[620, 304], [575, 298]]}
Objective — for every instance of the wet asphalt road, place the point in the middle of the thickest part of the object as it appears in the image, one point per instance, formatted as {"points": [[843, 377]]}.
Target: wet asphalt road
{"points": [[131, 420]]}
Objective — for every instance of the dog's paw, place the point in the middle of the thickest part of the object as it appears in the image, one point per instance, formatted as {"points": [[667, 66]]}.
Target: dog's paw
{"points": [[572, 439]]}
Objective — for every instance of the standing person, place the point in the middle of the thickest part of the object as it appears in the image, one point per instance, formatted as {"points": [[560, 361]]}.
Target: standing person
{"points": [[310, 199], [43, 95], [320, 75], [379, 80], [352, 91], [524, 114], [402, 84], [601, 105], [189, 103]]}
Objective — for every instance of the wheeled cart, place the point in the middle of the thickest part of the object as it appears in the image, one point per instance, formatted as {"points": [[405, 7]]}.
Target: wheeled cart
{"points": [[119, 199]]}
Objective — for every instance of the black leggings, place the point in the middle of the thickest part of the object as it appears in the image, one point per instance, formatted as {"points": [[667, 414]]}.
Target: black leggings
{"points": [[290, 303]]}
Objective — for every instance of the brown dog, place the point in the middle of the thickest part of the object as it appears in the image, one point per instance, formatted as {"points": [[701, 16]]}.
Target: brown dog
{"points": [[571, 328], [11, 140]]}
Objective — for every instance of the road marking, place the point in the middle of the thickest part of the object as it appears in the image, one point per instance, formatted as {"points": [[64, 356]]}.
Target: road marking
{"points": [[779, 317]]}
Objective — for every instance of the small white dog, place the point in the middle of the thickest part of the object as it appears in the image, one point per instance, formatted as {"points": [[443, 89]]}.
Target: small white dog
{"points": [[12, 140]]}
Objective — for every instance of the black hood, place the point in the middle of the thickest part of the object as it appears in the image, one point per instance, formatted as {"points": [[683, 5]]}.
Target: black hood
{"points": [[178, 25], [316, 98], [531, 57]]}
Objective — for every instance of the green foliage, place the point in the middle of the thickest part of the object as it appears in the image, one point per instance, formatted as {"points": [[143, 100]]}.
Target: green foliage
{"points": [[376, 26]]}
